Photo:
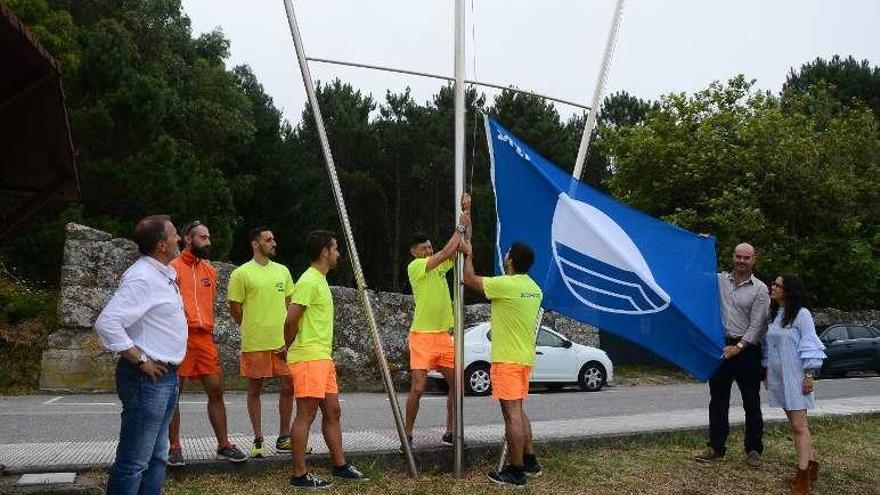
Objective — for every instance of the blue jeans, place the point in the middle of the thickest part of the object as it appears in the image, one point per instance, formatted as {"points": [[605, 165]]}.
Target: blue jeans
{"points": [[142, 452]]}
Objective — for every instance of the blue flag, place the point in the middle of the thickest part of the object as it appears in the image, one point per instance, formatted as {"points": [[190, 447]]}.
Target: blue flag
{"points": [[605, 264]]}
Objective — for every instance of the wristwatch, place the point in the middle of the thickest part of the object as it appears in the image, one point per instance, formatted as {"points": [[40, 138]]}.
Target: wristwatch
{"points": [[143, 358], [740, 345], [461, 228], [808, 373]]}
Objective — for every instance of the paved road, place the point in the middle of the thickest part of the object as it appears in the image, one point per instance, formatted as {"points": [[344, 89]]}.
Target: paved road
{"points": [[52, 418]]}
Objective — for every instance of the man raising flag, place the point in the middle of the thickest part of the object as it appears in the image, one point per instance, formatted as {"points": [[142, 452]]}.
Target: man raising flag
{"points": [[515, 300], [430, 345]]}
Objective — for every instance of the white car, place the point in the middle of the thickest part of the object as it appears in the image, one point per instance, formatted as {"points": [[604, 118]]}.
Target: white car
{"points": [[558, 361]]}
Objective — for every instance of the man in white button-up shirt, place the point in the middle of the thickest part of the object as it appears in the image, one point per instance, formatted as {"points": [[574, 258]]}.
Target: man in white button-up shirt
{"points": [[144, 322]]}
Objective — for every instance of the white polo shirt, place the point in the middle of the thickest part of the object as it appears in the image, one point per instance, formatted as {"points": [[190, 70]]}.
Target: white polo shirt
{"points": [[145, 311]]}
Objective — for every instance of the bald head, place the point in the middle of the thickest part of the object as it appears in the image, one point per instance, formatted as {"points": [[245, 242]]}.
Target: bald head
{"points": [[743, 260]]}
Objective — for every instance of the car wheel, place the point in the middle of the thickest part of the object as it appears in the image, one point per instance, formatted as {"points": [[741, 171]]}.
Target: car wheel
{"points": [[476, 379], [592, 377], [554, 387]]}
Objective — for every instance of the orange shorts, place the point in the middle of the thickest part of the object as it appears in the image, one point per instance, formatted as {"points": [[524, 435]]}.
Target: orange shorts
{"points": [[430, 351], [314, 379], [263, 364], [510, 381], [201, 355]]}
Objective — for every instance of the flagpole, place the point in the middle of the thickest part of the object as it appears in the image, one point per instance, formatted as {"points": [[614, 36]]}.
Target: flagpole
{"points": [[458, 301], [597, 92], [349, 238]]}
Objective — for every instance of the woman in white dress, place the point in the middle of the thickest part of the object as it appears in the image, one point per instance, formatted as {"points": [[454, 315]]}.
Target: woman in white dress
{"points": [[793, 354]]}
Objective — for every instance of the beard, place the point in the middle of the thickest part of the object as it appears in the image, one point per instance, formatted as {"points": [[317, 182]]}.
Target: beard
{"points": [[203, 252]]}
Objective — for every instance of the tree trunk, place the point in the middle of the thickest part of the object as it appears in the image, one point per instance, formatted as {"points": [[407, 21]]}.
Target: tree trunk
{"points": [[395, 245]]}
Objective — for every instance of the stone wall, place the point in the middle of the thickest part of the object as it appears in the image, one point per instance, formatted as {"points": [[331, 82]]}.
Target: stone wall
{"points": [[94, 261]]}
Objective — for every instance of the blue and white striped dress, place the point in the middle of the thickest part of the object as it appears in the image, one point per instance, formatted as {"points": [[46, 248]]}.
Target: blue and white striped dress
{"points": [[788, 351]]}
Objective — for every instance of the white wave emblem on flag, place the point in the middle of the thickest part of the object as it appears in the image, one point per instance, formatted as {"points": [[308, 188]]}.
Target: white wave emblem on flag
{"points": [[599, 263]]}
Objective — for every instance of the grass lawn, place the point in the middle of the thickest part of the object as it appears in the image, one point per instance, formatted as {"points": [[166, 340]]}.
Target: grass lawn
{"points": [[641, 374], [847, 448]]}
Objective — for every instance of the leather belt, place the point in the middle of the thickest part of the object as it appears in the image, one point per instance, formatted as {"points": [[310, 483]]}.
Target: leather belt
{"points": [[168, 366]]}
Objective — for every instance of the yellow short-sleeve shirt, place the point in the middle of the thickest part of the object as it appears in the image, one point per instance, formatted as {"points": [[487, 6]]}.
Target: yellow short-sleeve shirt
{"points": [[431, 293], [261, 291], [515, 300]]}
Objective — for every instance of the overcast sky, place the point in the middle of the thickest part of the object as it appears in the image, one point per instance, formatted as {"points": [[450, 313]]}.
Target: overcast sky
{"points": [[550, 46]]}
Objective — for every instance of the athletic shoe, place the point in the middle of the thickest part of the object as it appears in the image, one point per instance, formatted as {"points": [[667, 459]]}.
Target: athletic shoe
{"points": [[349, 472], [282, 444], [310, 481], [409, 440], [449, 440], [175, 458], [231, 453], [532, 470], [508, 476], [258, 450]]}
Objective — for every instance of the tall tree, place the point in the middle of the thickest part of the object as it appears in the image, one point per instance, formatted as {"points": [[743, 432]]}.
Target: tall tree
{"points": [[618, 109], [800, 179], [849, 80]]}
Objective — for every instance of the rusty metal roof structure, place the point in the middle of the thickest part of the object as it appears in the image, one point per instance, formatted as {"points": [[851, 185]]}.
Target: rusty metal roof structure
{"points": [[37, 163]]}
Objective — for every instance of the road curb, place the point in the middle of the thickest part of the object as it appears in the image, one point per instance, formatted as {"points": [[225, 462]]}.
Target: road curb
{"points": [[428, 460]]}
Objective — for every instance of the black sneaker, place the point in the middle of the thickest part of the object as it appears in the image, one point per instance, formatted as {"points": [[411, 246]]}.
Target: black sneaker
{"points": [[231, 453], [310, 481], [409, 440], [449, 440], [507, 476], [349, 472], [532, 470], [175, 458]]}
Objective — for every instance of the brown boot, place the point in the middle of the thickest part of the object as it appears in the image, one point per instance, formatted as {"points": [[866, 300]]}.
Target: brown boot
{"points": [[800, 485], [813, 469]]}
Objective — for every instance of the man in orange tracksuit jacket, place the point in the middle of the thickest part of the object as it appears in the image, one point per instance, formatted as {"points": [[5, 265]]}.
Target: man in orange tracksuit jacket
{"points": [[197, 281]]}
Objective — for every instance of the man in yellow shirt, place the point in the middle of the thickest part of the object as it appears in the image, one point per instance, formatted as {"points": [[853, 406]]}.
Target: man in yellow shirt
{"points": [[308, 337], [430, 344], [259, 292], [515, 300]]}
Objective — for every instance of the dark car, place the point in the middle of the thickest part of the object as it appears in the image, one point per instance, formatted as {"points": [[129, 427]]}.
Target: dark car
{"points": [[850, 347]]}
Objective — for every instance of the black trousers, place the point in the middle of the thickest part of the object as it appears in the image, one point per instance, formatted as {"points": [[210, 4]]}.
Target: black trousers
{"points": [[745, 369]]}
